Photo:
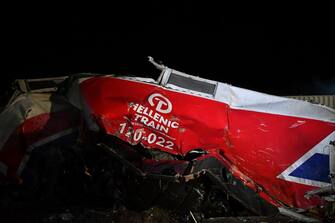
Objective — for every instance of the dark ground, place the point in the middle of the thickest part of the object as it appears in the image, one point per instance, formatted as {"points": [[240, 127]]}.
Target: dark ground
{"points": [[89, 215]]}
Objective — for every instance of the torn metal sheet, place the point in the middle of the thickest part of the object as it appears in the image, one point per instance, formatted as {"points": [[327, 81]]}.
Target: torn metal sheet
{"points": [[31, 121]]}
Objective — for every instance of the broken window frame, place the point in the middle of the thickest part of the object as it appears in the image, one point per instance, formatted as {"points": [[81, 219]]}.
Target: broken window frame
{"points": [[166, 74]]}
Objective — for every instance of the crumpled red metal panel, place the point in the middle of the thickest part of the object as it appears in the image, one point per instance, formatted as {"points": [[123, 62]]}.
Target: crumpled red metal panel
{"points": [[258, 146]]}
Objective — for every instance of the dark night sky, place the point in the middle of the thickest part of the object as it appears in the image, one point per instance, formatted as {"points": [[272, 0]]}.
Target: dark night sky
{"points": [[282, 52]]}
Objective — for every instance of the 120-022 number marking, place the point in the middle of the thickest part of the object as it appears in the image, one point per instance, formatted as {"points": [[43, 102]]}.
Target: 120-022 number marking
{"points": [[151, 139]]}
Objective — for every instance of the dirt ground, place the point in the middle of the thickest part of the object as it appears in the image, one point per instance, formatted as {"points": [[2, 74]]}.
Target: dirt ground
{"points": [[93, 215]]}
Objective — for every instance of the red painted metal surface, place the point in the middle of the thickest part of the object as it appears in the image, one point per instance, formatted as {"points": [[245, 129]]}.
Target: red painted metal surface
{"points": [[257, 146], [35, 130]]}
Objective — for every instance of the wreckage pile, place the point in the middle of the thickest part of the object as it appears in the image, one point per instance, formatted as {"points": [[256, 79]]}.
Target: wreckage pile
{"points": [[93, 186], [179, 149]]}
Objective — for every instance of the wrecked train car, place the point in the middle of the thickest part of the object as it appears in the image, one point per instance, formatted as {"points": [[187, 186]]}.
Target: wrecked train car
{"points": [[180, 142]]}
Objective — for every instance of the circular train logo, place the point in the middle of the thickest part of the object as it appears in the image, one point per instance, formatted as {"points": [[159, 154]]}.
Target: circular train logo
{"points": [[161, 103]]}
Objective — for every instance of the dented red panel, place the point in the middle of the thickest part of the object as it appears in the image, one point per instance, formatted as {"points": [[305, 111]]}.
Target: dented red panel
{"points": [[154, 116], [265, 147]]}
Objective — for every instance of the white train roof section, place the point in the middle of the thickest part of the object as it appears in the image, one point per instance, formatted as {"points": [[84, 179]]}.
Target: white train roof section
{"points": [[240, 98]]}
